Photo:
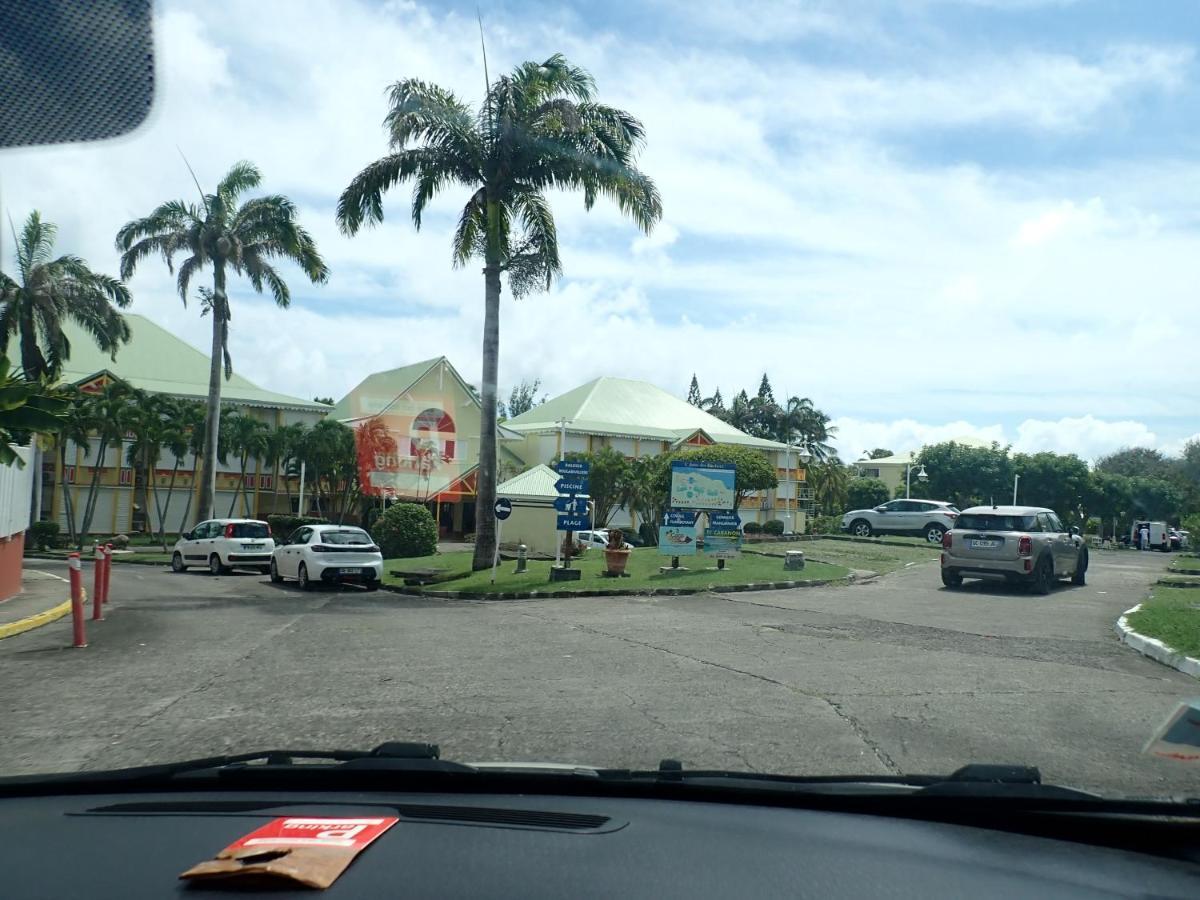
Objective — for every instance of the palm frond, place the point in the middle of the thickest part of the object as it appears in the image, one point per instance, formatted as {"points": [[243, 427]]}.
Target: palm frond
{"points": [[362, 201], [422, 111], [470, 232], [36, 242], [258, 270], [187, 269], [174, 215], [240, 178]]}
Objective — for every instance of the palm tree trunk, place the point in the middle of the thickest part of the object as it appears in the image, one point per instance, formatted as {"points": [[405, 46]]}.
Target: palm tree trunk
{"points": [[148, 468], [241, 486], [208, 484], [162, 515], [65, 487], [191, 492], [485, 481], [89, 507]]}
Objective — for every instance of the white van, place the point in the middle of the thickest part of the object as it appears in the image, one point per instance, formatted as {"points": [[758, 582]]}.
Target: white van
{"points": [[1159, 539]]}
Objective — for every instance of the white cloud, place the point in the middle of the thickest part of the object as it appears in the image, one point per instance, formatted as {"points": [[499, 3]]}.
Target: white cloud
{"points": [[1085, 436]]}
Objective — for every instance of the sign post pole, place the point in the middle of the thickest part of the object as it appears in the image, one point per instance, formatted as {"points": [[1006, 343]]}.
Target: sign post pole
{"points": [[502, 509]]}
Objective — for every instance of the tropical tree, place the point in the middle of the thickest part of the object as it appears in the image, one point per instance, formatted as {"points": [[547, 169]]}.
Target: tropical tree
{"points": [[247, 438], [880, 453], [864, 493], [524, 398], [197, 447], [693, 396], [753, 470], [291, 443], [539, 129], [714, 405], [228, 237], [644, 492], [608, 473], [180, 417], [27, 407], [110, 413], [829, 481], [146, 422], [76, 429], [48, 292]]}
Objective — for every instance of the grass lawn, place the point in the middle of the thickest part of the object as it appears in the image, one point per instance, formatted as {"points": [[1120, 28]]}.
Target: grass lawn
{"points": [[1186, 564], [642, 568], [1173, 616], [881, 558]]}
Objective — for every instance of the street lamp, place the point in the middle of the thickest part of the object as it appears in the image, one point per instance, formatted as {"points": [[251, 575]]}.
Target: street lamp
{"points": [[803, 456], [921, 476]]}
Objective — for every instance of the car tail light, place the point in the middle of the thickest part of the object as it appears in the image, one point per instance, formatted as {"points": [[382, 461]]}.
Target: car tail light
{"points": [[320, 548], [269, 531], [1025, 545], [374, 549], [947, 540], [229, 530]]}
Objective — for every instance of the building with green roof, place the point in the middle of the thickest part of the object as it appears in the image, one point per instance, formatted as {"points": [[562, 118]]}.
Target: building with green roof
{"points": [[158, 362]]}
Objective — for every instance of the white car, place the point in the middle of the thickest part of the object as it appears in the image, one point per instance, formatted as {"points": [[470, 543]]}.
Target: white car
{"points": [[224, 544], [928, 518], [597, 539], [328, 553]]}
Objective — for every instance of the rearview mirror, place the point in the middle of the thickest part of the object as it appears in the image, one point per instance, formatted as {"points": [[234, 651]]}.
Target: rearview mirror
{"points": [[881, 509], [1074, 531], [186, 536]]}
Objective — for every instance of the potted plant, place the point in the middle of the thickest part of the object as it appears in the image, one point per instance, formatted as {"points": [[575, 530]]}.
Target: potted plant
{"points": [[616, 554]]}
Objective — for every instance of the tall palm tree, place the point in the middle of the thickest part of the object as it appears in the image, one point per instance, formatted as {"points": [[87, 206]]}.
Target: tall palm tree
{"points": [[226, 236], [110, 412], [247, 438], [46, 293], [539, 129], [147, 424], [77, 429], [179, 416]]}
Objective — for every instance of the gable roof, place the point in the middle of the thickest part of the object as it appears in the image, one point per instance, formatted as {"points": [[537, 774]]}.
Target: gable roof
{"points": [[392, 384], [625, 408], [157, 361], [537, 482]]}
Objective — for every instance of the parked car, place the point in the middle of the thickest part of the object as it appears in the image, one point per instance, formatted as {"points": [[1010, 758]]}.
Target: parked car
{"points": [[597, 538], [333, 554], [1175, 538], [225, 544], [929, 518], [1159, 536], [1026, 544], [1185, 538]]}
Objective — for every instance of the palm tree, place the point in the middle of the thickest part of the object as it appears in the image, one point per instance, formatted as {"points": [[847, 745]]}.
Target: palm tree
{"points": [[145, 421], [244, 239], [291, 443], [47, 293], [77, 429], [179, 416], [109, 412], [247, 438], [829, 480], [539, 129]]}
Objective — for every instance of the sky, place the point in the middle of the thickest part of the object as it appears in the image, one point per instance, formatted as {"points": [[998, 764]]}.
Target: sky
{"points": [[934, 218]]}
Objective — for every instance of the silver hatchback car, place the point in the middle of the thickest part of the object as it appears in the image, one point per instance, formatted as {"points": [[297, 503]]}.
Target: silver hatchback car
{"points": [[1026, 544]]}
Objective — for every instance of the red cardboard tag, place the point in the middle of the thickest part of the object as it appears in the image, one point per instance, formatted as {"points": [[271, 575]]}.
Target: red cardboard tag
{"points": [[356, 834]]}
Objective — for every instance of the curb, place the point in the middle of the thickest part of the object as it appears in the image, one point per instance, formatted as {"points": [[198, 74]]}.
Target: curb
{"points": [[602, 592], [116, 559], [37, 619], [1154, 648]]}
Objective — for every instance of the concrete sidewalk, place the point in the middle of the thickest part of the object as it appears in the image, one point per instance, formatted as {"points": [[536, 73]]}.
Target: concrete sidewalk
{"points": [[44, 598]]}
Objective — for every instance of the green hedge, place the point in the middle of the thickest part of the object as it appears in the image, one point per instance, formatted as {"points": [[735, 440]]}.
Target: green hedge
{"points": [[406, 530], [283, 524], [44, 534], [773, 526], [752, 528]]}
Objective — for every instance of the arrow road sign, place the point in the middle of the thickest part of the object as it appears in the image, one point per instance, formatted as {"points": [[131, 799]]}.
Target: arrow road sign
{"points": [[572, 485], [572, 523], [572, 467], [724, 520], [572, 506], [503, 508], [680, 518]]}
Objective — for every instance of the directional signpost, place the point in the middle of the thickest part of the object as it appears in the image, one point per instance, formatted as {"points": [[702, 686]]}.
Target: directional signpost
{"points": [[707, 486], [502, 509], [572, 509], [677, 535], [723, 537]]}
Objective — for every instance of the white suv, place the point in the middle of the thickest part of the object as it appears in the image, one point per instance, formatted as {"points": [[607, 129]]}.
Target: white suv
{"points": [[928, 518], [224, 544]]}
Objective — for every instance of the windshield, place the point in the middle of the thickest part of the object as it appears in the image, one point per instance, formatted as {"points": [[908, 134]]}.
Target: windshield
{"points": [[772, 289], [989, 522]]}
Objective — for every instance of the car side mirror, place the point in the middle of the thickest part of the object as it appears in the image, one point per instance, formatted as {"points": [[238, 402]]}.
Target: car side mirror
{"points": [[187, 536], [881, 509], [1074, 531]]}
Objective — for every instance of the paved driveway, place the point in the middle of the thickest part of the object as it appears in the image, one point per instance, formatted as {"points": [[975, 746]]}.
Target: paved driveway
{"points": [[896, 675]]}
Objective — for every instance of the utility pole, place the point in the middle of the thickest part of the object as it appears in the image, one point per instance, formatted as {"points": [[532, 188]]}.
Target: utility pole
{"points": [[1016, 479]]}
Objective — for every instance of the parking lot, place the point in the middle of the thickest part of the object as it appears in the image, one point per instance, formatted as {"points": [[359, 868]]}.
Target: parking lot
{"points": [[897, 674]]}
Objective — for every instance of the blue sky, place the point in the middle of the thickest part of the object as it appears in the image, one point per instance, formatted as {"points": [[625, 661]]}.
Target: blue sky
{"points": [[934, 218]]}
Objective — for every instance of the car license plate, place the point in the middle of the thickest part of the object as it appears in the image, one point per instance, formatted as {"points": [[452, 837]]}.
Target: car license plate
{"points": [[252, 546], [351, 571], [984, 545]]}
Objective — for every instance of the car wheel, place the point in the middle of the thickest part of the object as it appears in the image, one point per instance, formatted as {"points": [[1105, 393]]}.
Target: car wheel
{"points": [[372, 585], [1043, 577], [274, 570], [933, 534], [177, 562], [215, 565], [860, 528], [951, 579], [302, 578], [1081, 564]]}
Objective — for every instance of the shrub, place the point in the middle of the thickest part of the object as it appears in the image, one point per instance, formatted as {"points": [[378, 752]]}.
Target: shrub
{"points": [[283, 524], [404, 530], [825, 525], [44, 534], [752, 528], [119, 541], [865, 493], [773, 526]]}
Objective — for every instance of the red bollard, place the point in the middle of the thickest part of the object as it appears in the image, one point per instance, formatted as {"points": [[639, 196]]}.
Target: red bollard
{"points": [[107, 569], [98, 585], [76, 573]]}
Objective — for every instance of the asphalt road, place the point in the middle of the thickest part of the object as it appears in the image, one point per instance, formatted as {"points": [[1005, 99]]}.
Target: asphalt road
{"points": [[894, 675]]}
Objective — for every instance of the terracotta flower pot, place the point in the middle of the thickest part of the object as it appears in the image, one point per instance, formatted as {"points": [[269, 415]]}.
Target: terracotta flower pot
{"points": [[616, 560]]}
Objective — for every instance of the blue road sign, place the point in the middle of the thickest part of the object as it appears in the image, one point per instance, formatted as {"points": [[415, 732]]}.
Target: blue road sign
{"points": [[572, 467], [680, 518], [573, 523], [723, 521], [573, 485], [572, 506], [503, 508]]}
